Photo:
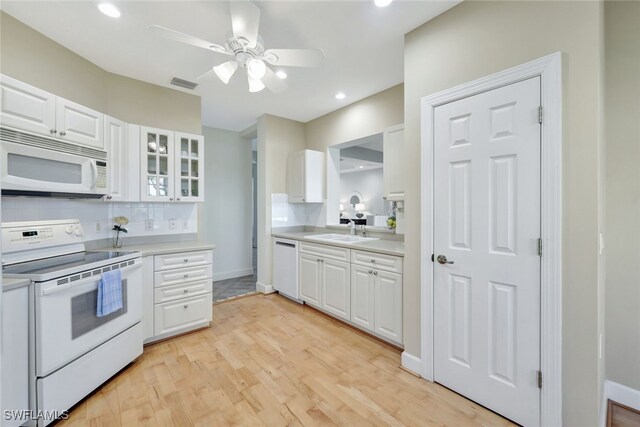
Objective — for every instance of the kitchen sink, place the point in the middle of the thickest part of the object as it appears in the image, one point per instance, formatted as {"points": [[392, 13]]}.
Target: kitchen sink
{"points": [[341, 238]]}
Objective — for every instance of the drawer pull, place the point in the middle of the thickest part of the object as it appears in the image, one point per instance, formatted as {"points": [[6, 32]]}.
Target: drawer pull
{"points": [[375, 273], [373, 260], [186, 290], [186, 306], [185, 275], [370, 271], [186, 260]]}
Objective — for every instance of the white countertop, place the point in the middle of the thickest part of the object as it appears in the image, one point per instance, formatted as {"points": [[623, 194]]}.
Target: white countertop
{"points": [[13, 283], [389, 247], [165, 248]]}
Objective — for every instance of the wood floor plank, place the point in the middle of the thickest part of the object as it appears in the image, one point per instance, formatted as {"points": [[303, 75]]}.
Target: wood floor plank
{"points": [[267, 361]]}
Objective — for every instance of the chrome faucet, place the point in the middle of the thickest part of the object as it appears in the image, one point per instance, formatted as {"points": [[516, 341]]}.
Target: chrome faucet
{"points": [[352, 225]]}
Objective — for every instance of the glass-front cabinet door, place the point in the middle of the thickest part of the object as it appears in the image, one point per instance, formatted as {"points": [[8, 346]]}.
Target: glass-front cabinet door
{"points": [[157, 166], [189, 159]]}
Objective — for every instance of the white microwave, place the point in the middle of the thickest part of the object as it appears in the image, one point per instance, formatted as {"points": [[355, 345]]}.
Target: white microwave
{"points": [[32, 165]]}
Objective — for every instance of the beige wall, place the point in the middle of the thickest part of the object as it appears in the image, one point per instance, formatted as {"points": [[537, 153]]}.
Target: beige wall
{"points": [[277, 139], [475, 39], [363, 118], [622, 102], [31, 57]]}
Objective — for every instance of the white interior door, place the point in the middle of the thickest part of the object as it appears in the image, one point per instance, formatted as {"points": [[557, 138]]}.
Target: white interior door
{"points": [[487, 224]]}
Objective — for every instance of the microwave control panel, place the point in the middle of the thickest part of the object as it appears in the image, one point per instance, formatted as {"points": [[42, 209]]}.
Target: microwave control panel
{"points": [[101, 178]]}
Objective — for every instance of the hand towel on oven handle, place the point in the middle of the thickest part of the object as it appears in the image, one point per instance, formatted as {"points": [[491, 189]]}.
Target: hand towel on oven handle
{"points": [[109, 293]]}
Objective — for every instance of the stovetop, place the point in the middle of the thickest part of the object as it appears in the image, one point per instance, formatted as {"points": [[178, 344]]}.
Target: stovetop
{"points": [[66, 264]]}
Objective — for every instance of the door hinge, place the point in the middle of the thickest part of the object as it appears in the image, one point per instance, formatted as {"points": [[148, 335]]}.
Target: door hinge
{"points": [[540, 247], [432, 259], [539, 379], [540, 114]]}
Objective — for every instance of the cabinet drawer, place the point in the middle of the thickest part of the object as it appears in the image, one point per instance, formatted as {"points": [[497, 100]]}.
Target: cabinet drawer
{"points": [[182, 259], [181, 314], [379, 261], [325, 251], [182, 275], [183, 290]]}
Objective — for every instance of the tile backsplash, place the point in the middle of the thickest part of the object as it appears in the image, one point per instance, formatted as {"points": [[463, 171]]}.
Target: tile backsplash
{"points": [[145, 219], [285, 214]]}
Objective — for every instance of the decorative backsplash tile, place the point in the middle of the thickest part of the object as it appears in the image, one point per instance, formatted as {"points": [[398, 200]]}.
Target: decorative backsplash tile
{"points": [[145, 219]]}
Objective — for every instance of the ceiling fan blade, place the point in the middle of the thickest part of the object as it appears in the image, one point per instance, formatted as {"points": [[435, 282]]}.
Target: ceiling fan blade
{"points": [[294, 57], [205, 74], [177, 36], [245, 20], [274, 83]]}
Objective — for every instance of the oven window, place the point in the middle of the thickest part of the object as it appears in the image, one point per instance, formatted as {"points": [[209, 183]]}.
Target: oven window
{"points": [[44, 169], [83, 312]]}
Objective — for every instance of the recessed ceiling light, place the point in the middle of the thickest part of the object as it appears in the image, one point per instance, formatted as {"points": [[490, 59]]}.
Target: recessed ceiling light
{"points": [[109, 10], [382, 3], [361, 167], [340, 95], [281, 74]]}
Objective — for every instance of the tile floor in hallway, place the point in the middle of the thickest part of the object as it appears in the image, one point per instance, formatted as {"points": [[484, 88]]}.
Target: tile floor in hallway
{"points": [[224, 289], [267, 361]]}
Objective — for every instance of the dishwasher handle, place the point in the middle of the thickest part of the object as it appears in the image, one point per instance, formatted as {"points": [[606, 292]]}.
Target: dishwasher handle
{"points": [[289, 245]]}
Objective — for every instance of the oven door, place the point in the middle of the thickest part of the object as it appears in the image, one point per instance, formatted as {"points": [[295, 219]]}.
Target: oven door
{"points": [[65, 317], [27, 168]]}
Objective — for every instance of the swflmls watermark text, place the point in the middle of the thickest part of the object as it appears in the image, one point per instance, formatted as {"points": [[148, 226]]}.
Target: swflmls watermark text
{"points": [[29, 414]]}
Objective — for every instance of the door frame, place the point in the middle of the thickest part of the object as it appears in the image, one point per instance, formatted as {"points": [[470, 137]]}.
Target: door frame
{"points": [[549, 69]]}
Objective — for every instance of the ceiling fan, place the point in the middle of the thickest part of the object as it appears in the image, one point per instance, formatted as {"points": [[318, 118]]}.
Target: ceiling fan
{"points": [[246, 46]]}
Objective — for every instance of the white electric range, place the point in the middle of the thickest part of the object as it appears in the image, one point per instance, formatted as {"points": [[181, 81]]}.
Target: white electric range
{"points": [[71, 350]]}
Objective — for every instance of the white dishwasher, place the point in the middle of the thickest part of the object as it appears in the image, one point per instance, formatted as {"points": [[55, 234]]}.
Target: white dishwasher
{"points": [[285, 268]]}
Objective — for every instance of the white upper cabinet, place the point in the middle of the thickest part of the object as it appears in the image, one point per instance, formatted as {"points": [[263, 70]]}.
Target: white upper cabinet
{"points": [[26, 107], [79, 124], [393, 163], [305, 177], [31, 109], [115, 137], [157, 163], [189, 158], [172, 166]]}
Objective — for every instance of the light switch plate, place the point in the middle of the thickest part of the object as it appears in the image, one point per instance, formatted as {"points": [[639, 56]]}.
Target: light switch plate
{"points": [[148, 225]]}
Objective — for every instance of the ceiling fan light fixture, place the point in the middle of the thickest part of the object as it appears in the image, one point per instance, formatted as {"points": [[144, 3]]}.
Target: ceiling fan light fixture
{"points": [[281, 75], [109, 9], [256, 69], [225, 71], [255, 85], [340, 95], [382, 3]]}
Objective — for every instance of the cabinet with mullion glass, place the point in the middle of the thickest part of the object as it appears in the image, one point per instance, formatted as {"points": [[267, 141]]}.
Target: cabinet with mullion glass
{"points": [[189, 167], [157, 165]]}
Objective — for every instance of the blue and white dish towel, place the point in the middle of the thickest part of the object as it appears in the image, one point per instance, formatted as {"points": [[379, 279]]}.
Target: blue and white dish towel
{"points": [[109, 293]]}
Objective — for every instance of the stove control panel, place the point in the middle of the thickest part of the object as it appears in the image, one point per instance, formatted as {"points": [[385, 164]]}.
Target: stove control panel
{"points": [[29, 235]]}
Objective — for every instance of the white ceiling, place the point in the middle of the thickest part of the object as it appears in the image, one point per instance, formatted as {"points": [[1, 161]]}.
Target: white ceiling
{"points": [[363, 45]]}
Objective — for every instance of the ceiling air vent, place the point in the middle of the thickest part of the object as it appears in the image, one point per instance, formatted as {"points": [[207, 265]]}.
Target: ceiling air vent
{"points": [[183, 83]]}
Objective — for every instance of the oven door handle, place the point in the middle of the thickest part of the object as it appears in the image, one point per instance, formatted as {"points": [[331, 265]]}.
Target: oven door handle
{"points": [[94, 174], [67, 286]]}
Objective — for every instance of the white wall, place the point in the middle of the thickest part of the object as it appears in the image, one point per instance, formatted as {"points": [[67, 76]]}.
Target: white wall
{"points": [[622, 58], [369, 184], [97, 217], [226, 215]]}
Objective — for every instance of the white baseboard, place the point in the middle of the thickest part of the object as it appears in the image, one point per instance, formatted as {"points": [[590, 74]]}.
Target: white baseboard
{"points": [[264, 289], [232, 274], [621, 394], [412, 363]]}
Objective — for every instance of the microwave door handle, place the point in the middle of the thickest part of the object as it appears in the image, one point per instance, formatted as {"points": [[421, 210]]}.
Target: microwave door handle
{"points": [[94, 172], [94, 279]]}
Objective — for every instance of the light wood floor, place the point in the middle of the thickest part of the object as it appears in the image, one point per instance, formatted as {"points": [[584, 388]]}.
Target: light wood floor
{"points": [[268, 361]]}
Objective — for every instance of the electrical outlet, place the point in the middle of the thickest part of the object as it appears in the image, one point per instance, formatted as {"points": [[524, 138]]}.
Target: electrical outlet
{"points": [[172, 224], [98, 227], [148, 225]]}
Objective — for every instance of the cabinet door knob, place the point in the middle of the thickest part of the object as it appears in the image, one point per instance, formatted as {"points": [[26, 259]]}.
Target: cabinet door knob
{"points": [[186, 290], [63, 133], [375, 273], [304, 200], [370, 271], [186, 306], [186, 260], [178, 198], [171, 199], [53, 131], [186, 275], [373, 260], [109, 197]]}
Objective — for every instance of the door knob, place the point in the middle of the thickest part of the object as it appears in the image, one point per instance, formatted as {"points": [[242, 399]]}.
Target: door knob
{"points": [[443, 260], [63, 133]]}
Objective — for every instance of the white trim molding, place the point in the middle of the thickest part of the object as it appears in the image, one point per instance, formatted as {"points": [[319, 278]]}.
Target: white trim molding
{"points": [[232, 274], [264, 289], [549, 69], [411, 363], [620, 394]]}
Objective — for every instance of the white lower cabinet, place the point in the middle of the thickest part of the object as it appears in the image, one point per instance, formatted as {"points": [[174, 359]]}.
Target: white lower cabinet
{"points": [[367, 296], [388, 305], [362, 301], [309, 268], [177, 294], [335, 288]]}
